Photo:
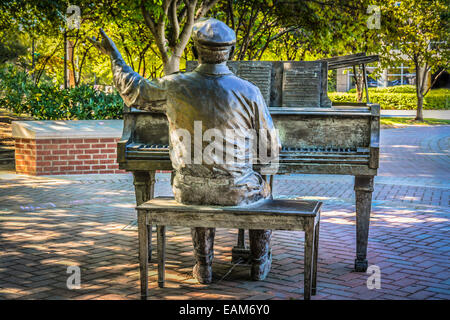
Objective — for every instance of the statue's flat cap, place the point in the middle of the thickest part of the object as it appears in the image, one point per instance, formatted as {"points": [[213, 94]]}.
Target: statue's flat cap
{"points": [[212, 32]]}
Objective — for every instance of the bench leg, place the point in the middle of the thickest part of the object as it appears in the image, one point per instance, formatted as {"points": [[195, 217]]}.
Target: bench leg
{"points": [[316, 253], [309, 252], [161, 235], [143, 254]]}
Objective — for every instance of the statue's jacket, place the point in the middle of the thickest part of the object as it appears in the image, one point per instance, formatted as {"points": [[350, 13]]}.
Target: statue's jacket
{"points": [[219, 125]]}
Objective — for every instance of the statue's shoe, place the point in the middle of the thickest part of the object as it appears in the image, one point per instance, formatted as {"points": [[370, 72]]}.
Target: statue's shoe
{"points": [[203, 273], [261, 268]]}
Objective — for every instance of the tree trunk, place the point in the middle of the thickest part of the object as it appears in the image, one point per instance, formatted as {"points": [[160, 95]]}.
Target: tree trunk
{"points": [[71, 53], [172, 65], [359, 93], [33, 64], [419, 92], [65, 59], [419, 115], [359, 83]]}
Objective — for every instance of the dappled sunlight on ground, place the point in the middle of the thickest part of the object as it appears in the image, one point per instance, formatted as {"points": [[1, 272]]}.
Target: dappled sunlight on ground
{"points": [[50, 223]]}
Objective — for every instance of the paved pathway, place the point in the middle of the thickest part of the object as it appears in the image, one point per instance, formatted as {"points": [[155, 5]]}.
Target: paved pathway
{"points": [[50, 223], [434, 114]]}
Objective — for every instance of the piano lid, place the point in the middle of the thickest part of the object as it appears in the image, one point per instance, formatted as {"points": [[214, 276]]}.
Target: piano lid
{"points": [[350, 60]]}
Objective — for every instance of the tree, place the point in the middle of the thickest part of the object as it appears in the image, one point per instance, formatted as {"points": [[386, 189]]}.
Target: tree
{"points": [[417, 31], [123, 21], [299, 30], [27, 21], [353, 31], [171, 23], [263, 28], [336, 27]]}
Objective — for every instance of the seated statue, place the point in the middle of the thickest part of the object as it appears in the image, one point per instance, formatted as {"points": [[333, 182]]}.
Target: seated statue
{"points": [[217, 121]]}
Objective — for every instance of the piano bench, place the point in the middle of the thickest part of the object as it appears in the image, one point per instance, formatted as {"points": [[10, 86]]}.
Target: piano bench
{"points": [[270, 214]]}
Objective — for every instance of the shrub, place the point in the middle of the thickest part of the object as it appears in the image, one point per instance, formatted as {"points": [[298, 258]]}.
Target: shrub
{"points": [[395, 89], [399, 98], [47, 102]]}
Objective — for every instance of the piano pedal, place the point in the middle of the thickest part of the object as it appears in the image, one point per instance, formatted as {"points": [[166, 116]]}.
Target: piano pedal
{"points": [[240, 253]]}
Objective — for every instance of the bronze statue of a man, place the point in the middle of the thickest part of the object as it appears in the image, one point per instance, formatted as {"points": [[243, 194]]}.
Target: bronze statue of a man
{"points": [[210, 101]]}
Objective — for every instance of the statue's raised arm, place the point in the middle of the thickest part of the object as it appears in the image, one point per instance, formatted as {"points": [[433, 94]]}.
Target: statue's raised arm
{"points": [[105, 45], [135, 90]]}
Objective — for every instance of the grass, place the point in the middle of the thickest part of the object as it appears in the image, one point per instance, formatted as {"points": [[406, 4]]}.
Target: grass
{"points": [[410, 121]]}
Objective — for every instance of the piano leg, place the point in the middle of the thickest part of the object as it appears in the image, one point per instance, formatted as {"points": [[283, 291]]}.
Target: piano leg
{"points": [[363, 190], [144, 186]]}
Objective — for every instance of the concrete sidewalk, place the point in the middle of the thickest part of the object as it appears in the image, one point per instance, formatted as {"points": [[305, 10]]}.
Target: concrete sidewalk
{"points": [[50, 223], [434, 114]]}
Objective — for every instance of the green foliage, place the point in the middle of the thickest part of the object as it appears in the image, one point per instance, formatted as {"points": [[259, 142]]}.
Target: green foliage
{"points": [[11, 48], [416, 31], [340, 26], [47, 102], [34, 17], [394, 89], [399, 98], [123, 22]]}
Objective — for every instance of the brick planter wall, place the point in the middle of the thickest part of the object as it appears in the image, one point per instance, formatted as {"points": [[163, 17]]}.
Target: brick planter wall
{"points": [[66, 156], [66, 147]]}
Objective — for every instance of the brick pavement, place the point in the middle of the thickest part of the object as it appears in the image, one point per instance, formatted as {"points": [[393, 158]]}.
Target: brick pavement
{"points": [[49, 223]]}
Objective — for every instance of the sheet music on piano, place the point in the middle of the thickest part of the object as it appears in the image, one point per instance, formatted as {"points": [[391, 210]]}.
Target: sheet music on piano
{"points": [[257, 72], [301, 85]]}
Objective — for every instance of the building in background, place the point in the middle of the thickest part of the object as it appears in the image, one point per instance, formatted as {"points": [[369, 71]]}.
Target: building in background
{"points": [[400, 75]]}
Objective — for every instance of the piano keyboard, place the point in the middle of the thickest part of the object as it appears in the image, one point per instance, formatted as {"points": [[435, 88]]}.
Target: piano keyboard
{"points": [[147, 151], [324, 155]]}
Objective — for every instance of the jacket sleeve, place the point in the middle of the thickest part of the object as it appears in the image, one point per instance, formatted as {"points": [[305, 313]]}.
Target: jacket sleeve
{"points": [[135, 90], [265, 128]]}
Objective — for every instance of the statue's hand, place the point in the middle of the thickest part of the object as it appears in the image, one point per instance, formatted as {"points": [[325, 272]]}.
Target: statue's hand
{"points": [[106, 45]]}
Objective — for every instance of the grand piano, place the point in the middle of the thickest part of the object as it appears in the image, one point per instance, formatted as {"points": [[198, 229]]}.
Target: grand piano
{"points": [[317, 136]]}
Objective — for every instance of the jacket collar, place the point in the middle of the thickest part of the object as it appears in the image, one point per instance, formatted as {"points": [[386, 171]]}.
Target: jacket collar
{"points": [[213, 69]]}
